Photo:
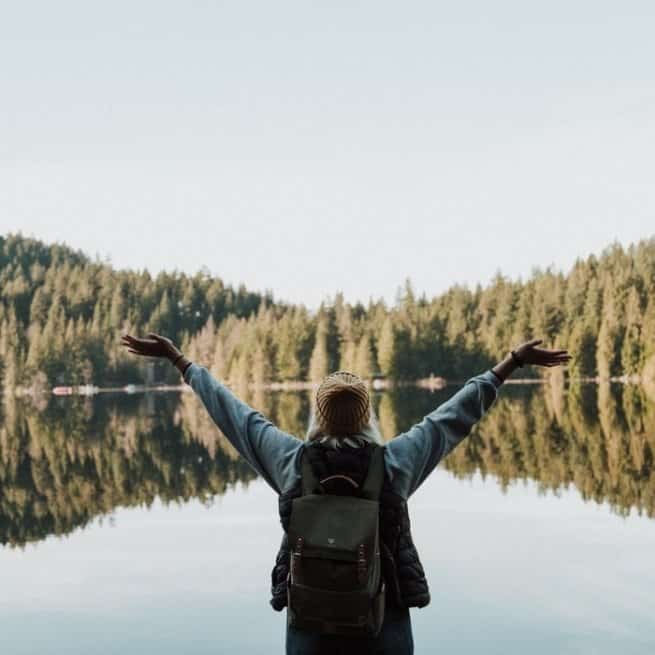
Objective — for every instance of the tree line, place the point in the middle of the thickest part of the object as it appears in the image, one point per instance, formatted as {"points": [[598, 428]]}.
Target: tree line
{"points": [[61, 314]]}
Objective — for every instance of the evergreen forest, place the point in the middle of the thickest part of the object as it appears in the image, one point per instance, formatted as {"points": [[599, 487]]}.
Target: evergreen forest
{"points": [[62, 313]]}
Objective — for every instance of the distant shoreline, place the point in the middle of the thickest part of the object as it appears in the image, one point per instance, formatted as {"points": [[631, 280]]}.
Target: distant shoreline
{"points": [[377, 385]]}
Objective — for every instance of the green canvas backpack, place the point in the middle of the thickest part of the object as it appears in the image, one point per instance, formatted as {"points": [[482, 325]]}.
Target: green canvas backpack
{"points": [[335, 583]]}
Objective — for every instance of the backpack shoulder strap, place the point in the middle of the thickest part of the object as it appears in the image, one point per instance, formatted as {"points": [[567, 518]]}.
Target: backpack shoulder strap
{"points": [[310, 483], [372, 486]]}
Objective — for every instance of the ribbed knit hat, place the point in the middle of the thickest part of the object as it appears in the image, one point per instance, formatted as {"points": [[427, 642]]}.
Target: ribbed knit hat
{"points": [[342, 404]]}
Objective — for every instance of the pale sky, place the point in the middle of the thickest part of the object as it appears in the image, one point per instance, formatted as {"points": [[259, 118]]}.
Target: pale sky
{"points": [[309, 147]]}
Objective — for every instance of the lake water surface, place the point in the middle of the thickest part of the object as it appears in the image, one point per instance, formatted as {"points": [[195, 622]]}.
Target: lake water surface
{"points": [[128, 525]]}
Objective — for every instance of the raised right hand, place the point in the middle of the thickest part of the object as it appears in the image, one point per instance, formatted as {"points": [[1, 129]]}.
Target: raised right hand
{"points": [[528, 353]]}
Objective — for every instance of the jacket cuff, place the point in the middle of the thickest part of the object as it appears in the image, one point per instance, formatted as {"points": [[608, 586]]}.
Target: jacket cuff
{"points": [[495, 378], [188, 372]]}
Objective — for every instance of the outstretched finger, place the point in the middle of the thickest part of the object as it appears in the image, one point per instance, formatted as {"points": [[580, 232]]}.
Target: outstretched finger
{"points": [[136, 352], [134, 341], [143, 342], [565, 360], [534, 342], [548, 351]]}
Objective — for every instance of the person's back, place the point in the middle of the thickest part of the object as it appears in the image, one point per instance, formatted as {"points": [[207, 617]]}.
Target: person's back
{"points": [[339, 443], [335, 584], [344, 472]]}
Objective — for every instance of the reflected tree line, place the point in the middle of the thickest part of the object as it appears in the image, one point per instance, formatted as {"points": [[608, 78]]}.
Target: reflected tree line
{"points": [[598, 439], [76, 460]]}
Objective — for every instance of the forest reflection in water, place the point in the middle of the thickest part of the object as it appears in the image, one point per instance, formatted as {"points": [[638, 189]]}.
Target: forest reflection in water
{"points": [[76, 459]]}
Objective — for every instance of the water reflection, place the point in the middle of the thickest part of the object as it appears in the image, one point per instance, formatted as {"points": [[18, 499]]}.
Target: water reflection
{"points": [[65, 464]]}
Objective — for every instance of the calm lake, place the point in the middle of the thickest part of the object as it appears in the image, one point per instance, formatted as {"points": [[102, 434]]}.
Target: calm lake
{"points": [[128, 525]]}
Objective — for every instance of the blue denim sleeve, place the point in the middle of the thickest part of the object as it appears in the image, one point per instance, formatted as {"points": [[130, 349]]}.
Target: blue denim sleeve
{"points": [[412, 456], [271, 452]]}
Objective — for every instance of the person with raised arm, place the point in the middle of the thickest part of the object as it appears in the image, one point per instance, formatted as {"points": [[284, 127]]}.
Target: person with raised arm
{"points": [[347, 582]]}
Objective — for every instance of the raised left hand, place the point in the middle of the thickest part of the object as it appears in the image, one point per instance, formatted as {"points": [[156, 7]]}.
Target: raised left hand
{"points": [[154, 346]]}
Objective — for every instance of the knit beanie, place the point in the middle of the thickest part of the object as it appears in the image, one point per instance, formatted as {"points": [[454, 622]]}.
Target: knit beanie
{"points": [[342, 404]]}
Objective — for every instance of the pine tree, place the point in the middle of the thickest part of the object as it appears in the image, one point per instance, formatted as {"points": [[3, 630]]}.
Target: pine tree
{"points": [[39, 306], [607, 350], [318, 364], [348, 356], [364, 366], [287, 361], [262, 371], [218, 367], [582, 342], [387, 349], [632, 348]]}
